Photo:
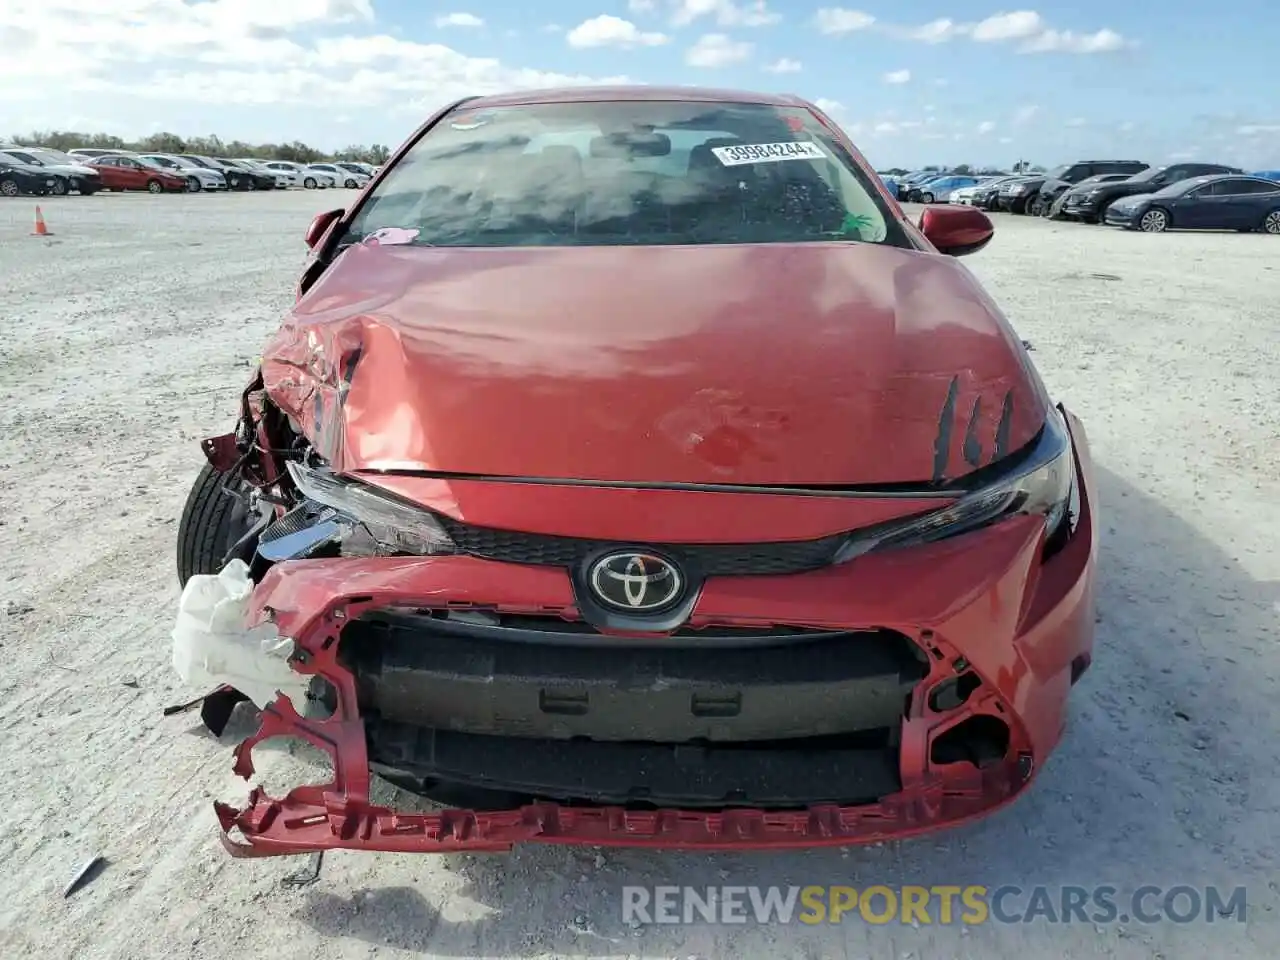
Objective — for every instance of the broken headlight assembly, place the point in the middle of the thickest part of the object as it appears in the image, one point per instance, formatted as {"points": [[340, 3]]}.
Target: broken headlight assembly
{"points": [[361, 520], [1043, 482]]}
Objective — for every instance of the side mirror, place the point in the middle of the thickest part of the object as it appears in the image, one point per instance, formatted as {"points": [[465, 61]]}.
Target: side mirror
{"points": [[320, 226], [956, 231]]}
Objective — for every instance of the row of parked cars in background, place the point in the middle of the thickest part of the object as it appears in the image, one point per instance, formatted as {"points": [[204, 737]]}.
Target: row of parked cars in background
{"points": [[1125, 193], [43, 171]]}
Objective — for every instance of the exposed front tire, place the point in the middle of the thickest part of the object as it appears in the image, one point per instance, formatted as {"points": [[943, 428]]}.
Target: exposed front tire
{"points": [[9, 188], [1271, 223], [309, 183], [193, 185], [59, 188], [213, 520], [926, 197], [155, 186]]}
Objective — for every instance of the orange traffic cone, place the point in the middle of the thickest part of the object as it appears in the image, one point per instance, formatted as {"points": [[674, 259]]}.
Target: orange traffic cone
{"points": [[41, 230]]}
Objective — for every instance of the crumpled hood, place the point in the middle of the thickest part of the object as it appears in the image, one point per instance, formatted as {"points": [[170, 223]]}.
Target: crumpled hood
{"points": [[802, 364]]}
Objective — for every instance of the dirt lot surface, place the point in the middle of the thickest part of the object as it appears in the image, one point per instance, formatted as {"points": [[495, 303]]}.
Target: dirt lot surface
{"points": [[126, 337]]}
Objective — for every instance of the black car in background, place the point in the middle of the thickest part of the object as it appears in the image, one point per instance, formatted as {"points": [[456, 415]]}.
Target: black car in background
{"points": [[17, 178], [1089, 205], [1062, 178], [1055, 212], [987, 196], [238, 178], [1017, 195], [244, 176], [69, 173], [1219, 202]]}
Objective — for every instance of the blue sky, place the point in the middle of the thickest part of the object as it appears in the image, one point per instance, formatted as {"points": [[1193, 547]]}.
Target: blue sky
{"points": [[914, 82]]}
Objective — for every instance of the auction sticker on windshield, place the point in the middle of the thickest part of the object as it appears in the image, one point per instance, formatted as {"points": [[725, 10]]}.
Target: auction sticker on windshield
{"points": [[768, 153]]}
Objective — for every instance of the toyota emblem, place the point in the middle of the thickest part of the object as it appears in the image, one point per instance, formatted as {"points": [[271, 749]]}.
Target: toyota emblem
{"points": [[639, 582]]}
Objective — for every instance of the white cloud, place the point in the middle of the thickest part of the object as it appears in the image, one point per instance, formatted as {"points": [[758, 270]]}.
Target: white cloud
{"points": [[838, 20], [1018, 25], [641, 6], [609, 31], [829, 106], [1026, 114], [717, 50], [727, 13], [986, 126], [241, 68], [784, 65], [459, 20], [935, 31], [885, 128], [1026, 26], [897, 76], [1064, 41]]}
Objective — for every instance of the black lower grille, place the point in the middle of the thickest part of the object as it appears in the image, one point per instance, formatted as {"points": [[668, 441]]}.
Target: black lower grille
{"points": [[710, 559]]}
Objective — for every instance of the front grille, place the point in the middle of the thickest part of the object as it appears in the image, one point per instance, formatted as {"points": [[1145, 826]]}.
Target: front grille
{"points": [[712, 560]]}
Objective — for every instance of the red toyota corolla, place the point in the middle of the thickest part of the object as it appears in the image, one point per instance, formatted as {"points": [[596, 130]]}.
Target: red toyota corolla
{"points": [[630, 470]]}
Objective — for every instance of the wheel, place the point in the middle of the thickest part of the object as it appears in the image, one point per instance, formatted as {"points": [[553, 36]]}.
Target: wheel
{"points": [[59, 188], [193, 185], [1271, 223], [351, 184], [1035, 207], [309, 183], [155, 186], [86, 191], [926, 197], [9, 188], [1154, 221], [213, 520]]}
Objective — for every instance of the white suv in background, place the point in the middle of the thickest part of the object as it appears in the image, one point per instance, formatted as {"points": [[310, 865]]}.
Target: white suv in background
{"points": [[348, 174], [306, 176], [198, 178]]}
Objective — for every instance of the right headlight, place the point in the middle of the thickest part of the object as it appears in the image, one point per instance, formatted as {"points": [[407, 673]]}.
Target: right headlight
{"points": [[1041, 483], [368, 521]]}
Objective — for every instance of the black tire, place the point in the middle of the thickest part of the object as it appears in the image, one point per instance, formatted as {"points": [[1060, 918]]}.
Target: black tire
{"points": [[194, 185], [210, 524], [155, 186], [310, 183], [926, 197], [10, 188], [1155, 220], [350, 184], [1271, 222], [87, 191], [251, 184], [59, 188]]}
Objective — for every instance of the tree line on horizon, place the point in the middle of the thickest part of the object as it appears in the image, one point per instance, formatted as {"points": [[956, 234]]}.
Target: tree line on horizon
{"points": [[210, 146]]}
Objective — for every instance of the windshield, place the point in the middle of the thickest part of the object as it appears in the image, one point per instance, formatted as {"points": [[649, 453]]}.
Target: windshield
{"points": [[161, 162], [1057, 173], [148, 162], [1147, 174], [634, 172]]}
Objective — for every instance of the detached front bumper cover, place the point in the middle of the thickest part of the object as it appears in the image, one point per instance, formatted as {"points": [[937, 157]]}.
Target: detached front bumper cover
{"points": [[986, 609]]}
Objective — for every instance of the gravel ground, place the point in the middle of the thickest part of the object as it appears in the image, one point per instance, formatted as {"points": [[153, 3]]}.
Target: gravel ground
{"points": [[126, 338]]}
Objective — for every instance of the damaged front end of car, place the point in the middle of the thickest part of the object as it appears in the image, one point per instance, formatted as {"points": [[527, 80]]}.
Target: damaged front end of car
{"points": [[824, 706]]}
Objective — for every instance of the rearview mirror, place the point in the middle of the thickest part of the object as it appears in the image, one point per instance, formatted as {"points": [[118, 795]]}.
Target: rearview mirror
{"points": [[956, 230], [320, 226]]}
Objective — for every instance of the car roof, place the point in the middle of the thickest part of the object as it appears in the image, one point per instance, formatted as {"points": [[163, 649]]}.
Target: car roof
{"points": [[634, 92]]}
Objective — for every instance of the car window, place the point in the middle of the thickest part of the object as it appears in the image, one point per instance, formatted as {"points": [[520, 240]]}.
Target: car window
{"points": [[24, 158], [636, 172]]}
